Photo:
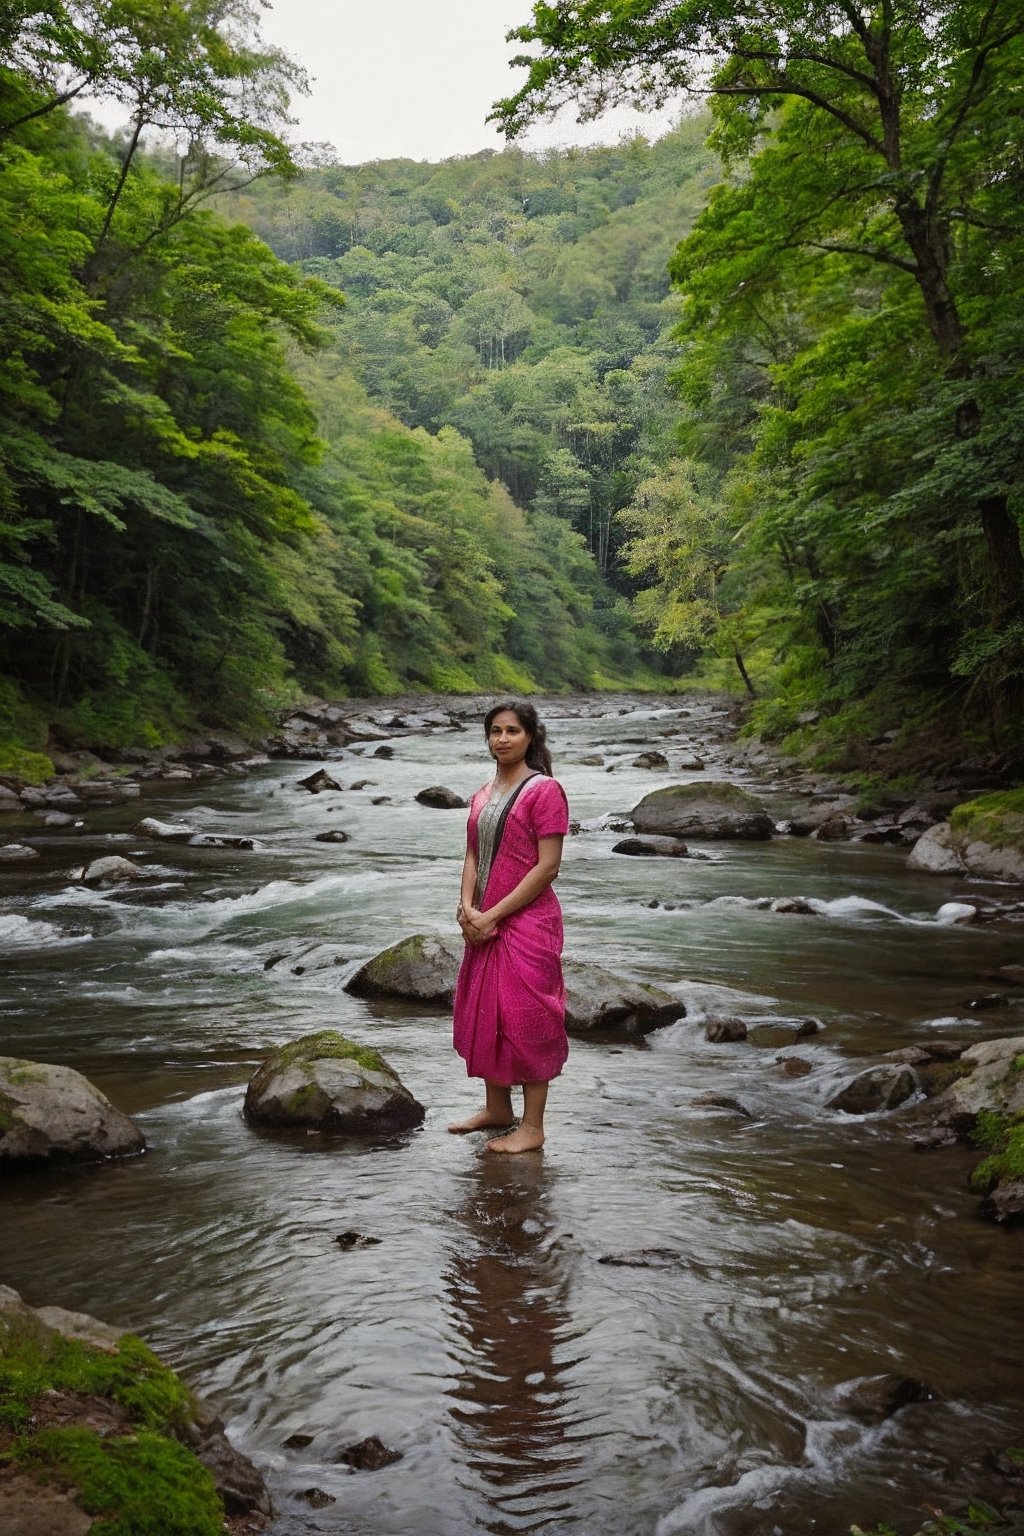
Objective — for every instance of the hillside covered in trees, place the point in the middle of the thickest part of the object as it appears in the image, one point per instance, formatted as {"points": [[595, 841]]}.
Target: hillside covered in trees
{"points": [[223, 481]]}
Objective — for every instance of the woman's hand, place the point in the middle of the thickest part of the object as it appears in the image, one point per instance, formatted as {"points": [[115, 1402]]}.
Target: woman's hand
{"points": [[477, 927]]}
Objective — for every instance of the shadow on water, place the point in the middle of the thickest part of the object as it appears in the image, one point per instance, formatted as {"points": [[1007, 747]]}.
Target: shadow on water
{"points": [[512, 1405]]}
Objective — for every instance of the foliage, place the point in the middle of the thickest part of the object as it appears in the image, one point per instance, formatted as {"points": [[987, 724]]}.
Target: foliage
{"points": [[851, 340], [996, 818], [1003, 1136]]}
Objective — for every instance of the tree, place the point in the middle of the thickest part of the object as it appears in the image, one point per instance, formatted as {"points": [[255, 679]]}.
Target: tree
{"points": [[907, 135]]}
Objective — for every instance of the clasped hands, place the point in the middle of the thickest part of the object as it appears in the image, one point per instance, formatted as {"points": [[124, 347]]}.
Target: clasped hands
{"points": [[477, 927]]}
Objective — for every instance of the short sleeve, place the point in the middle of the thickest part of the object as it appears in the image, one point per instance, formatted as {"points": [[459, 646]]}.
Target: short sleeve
{"points": [[549, 809]]}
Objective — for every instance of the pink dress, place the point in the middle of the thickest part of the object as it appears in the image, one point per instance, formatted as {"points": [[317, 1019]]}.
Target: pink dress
{"points": [[509, 998]]}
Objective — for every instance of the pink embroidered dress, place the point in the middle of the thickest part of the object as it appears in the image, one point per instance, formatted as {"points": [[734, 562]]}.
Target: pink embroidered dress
{"points": [[509, 998]]}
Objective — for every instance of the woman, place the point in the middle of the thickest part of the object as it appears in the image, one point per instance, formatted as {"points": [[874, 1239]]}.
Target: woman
{"points": [[509, 999]]}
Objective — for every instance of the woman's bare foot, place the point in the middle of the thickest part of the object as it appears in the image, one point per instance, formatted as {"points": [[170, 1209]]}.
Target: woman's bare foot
{"points": [[486, 1120], [525, 1138]]}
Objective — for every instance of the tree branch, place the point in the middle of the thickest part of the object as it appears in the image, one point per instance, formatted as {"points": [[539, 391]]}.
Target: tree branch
{"points": [[48, 106], [792, 89], [868, 252]]}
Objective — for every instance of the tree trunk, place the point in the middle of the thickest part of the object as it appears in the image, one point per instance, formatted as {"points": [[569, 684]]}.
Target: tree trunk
{"points": [[744, 673]]}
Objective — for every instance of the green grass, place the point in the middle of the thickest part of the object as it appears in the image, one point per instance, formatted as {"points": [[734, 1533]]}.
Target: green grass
{"points": [[134, 1378], [1003, 1137]]}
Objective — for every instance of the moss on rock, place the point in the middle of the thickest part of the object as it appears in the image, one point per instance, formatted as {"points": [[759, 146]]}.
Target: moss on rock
{"points": [[996, 819], [328, 1044], [108, 1425]]}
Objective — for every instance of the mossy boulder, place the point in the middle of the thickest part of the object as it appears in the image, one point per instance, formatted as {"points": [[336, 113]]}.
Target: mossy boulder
{"points": [[97, 1433], [713, 811], [983, 838], [326, 1082], [422, 968], [52, 1114]]}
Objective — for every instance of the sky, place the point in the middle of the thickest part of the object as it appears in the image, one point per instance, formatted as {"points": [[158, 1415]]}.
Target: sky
{"points": [[415, 79]]}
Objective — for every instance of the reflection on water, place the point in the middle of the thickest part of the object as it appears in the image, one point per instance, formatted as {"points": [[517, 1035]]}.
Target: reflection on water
{"points": [[512, 1400]]}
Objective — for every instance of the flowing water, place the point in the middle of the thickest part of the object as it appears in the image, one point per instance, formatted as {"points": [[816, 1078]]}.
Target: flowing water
{"points": [[528, 1385]]}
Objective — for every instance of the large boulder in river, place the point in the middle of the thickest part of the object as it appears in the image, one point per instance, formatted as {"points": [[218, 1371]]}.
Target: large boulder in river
{"points": [[326, 1082], [53, 1114], [714, 810], [652, 847], [992, 1081], [422, 968], [983, 838], [139, 1435], [441, 798], [885, 1086], [597, 1001]]}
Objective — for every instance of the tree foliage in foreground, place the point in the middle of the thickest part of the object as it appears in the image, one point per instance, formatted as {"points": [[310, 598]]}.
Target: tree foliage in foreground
{"points": [[852, 333]]}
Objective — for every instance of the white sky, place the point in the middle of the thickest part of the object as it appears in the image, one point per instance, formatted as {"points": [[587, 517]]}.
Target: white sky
{"points": [[416, 78]]}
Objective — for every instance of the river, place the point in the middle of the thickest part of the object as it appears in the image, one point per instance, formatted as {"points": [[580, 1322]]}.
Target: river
{"points": [[528, 1385]]}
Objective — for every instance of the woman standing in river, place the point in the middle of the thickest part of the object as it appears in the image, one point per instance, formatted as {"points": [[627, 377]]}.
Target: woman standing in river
{"points": [[509, 998]]}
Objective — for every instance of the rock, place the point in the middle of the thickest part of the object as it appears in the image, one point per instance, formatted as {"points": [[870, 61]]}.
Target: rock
{"points": [[369, 1455], [597, 1002], [55, 818], [652, 847], [1005, 1203], [384, 750], [836, 830], [107, 791], [336, 835], [878, 1088], [593, 761], [110, 870], [650, 760], [349, 1240], [17, 853], [441, 798], [423, 967], [816, 816], [697, 810], [725, 1031], [956, 912], [643, 1258], [992, 1083], [876, 1398], [316, 1498], [166, 831], [363, 783], [94, 1416], [798, 904], [692, 765], [721, 1101], [53, 1114], [795, 1066], [937, 852], [317, 782], [298, 1442], [9, 801], [325, 1082]]}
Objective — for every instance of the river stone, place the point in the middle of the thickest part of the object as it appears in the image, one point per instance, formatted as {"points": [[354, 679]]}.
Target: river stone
{"points": [[936, 852], [714, 810], [875, 1398], [53, 1114], [650, 760], [440, 798], [885, 1086], [652, 847], [725, 1031], [110, 870], [369, 1455], [335, 835], [991, 1085], [9, 801], [721, 1101], [325, 1082], [1005, 1203], [317, 782], [798, 904], [597, 1001], [167, 832], [423, 968], [17, 853]]}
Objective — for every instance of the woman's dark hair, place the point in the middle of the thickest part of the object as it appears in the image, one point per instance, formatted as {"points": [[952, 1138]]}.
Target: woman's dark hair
{"points": [[537, 755]]}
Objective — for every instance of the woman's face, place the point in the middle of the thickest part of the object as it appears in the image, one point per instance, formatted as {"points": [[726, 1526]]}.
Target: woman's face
{"points": [[507, 740]]}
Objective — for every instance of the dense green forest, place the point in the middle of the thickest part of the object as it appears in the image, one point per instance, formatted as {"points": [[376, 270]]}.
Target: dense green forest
{"points": [[746, 399], [214, 495]]}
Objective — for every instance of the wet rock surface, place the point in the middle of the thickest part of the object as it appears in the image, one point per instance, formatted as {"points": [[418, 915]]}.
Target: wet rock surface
{"points": [[711, 810], [441, 798], [874, 1399], [652, 847], [423, 968], [597, 1002], [51, 1114], [878, 1088], [327, 1083]]}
